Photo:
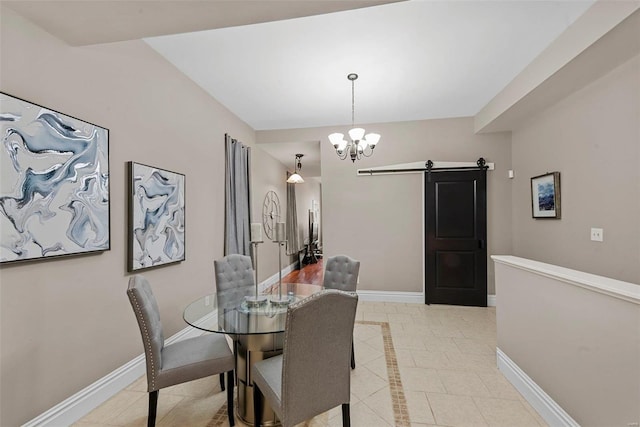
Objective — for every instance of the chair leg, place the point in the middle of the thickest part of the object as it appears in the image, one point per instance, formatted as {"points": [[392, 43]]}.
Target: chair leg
{"points": [[257, 406], [222, 381], [353, 357], [230, 380], [153, 406], [346, 418], [235, 359]]}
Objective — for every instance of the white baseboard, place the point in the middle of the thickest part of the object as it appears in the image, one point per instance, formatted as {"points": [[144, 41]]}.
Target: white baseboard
{"points": [[548, 409], [387, 296], [408, 297], [80, 404], [274, 278], [77, 406], [491, 300]]}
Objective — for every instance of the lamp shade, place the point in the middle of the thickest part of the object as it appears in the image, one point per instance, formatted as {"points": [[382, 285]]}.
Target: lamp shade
{"points": [[295, 179], [336, 138], [372, 139], [356, 134], [256, 232], [281, 235]]}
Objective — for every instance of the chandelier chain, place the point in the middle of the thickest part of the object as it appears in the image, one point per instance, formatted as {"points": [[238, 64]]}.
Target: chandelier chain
{"points": [[353, 103]]}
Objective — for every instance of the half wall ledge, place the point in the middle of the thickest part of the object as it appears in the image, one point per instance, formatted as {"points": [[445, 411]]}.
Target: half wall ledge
{"points": [[616, 288], [569, 341]]}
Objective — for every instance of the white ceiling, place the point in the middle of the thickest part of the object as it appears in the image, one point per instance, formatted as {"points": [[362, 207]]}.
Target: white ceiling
{"points": [[417, 59]]}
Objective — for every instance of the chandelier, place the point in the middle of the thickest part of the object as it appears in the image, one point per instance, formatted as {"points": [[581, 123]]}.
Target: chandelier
{"points": [[296, 178], [359, 144]]}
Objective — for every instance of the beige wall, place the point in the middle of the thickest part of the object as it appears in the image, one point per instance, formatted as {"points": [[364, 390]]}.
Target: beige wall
{"points": [[67, 322], [379, 219], [267, 174], [555, 331], [593, 138]]}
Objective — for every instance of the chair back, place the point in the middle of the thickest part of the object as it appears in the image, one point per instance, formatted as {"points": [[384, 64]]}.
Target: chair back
{"points": [[317, 354], [341, 272], [234, 279], [146, 310]]}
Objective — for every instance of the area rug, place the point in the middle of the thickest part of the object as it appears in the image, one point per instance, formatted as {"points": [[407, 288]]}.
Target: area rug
{"points": [[399, 403]]}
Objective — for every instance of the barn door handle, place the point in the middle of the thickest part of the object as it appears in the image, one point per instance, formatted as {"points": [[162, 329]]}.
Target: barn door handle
{"points": [[481, 244]]}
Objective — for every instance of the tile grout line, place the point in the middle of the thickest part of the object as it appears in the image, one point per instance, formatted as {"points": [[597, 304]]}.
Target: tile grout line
{"points": [[398, 400]]}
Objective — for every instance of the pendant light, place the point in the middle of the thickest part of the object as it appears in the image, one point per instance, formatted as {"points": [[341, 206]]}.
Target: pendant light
{"points": [[359, 144], [295, 178]]}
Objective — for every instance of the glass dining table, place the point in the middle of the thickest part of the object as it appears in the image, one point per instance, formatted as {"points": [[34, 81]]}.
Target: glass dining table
{"points": [[257, 331]]}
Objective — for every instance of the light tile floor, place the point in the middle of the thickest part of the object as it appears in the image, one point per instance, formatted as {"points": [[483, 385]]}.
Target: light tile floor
{"points": [[445, 357]]}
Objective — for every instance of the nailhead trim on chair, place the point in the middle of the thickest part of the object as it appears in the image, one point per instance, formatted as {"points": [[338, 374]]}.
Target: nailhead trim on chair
{"points": [[291, 308], [148, 341]]}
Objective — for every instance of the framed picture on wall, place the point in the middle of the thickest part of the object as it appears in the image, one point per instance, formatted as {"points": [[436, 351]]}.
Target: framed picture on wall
{"points": [[54, 183], [545, 195], [156, 217]]}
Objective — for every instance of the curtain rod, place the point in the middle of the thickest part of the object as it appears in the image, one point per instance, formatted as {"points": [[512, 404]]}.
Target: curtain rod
{"points": [[426, 166]]}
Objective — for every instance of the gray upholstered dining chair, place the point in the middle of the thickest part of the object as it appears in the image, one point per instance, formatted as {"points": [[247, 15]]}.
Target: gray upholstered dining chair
{"points": [[312, 374], [341, 272], [234, 279], [182, 361]]}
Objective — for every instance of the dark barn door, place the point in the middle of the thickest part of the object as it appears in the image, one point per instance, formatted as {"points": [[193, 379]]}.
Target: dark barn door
{"points": [[456, 235]]}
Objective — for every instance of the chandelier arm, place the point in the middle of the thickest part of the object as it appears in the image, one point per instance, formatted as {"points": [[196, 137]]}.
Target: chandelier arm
{"points": [[344, 154], [367, 155]]}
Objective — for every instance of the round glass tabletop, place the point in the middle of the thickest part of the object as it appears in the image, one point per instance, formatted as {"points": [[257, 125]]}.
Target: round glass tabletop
{"points": [[244, 316]]}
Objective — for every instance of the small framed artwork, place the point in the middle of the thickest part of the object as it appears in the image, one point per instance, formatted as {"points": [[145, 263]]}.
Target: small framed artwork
{"points": [[54, 183], [545, 195], [156, 217]]}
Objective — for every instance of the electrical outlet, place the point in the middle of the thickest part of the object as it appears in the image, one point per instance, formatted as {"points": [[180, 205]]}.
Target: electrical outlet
{"points": [[597, 234]]}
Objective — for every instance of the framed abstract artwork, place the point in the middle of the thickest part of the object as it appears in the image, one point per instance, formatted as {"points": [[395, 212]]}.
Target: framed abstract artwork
{"points": [[54, 183], [156, 217], [545, 195]]}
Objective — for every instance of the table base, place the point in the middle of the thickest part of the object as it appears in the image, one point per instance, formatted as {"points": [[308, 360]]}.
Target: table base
{"points": [[249, 350]]}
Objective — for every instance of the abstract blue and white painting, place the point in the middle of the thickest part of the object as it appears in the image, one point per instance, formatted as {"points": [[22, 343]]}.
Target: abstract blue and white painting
{"points": [[54, 183], [545, 195], [156, 217]]}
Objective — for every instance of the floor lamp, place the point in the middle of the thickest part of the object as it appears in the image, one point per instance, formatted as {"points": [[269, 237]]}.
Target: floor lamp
{"points": [[281, 240]]}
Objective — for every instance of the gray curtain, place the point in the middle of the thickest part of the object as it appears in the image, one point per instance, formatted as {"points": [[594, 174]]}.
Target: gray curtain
{"points": [[293, 238], [237, 197]]}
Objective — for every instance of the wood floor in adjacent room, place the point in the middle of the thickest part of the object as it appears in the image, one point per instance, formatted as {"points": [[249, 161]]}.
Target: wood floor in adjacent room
{"points": [[416, 365]]}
